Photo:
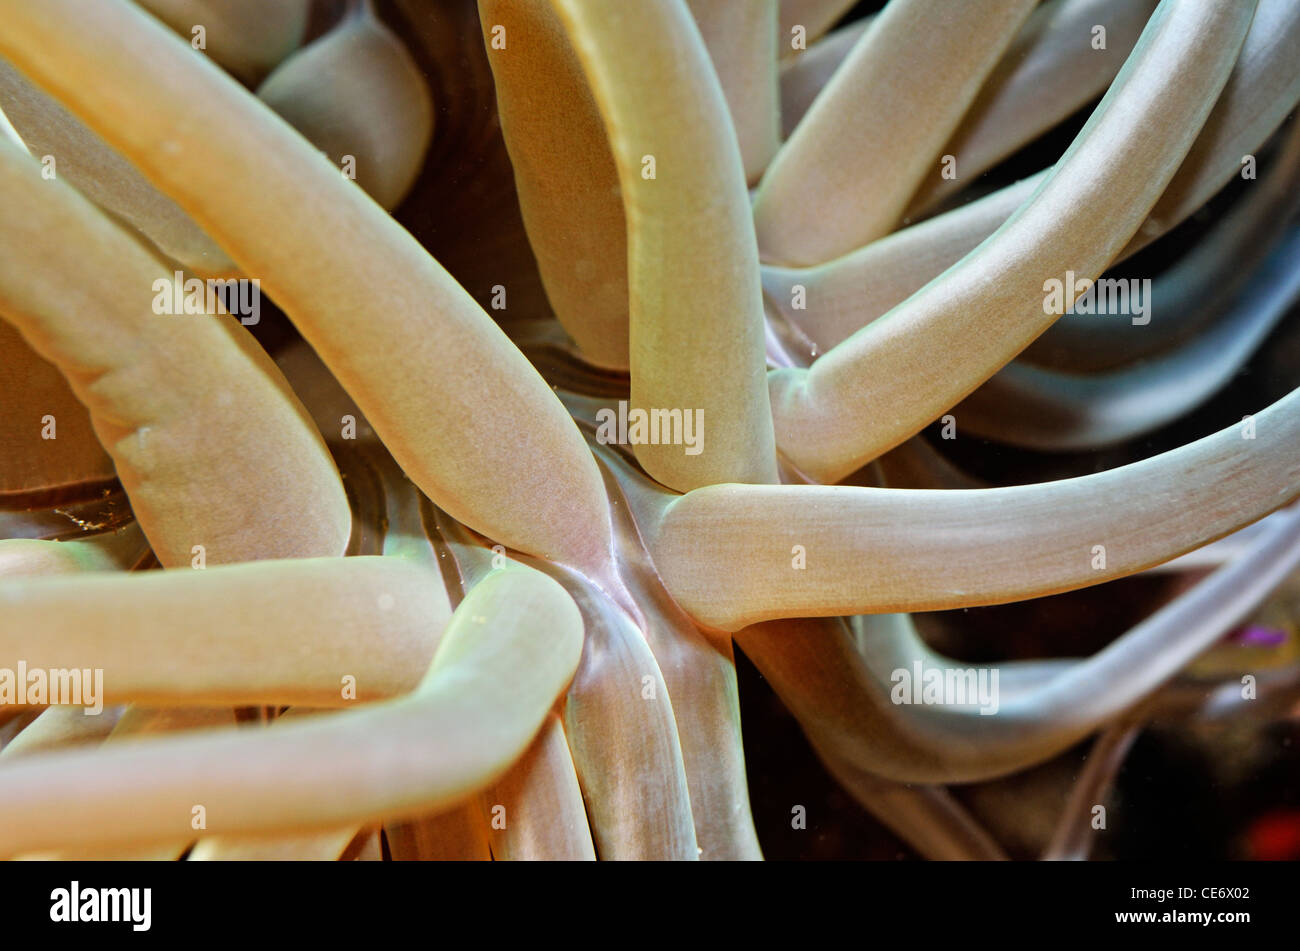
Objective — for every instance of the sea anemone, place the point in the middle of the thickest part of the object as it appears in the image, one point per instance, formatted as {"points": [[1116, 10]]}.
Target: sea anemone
{"points": [[603, 337]]}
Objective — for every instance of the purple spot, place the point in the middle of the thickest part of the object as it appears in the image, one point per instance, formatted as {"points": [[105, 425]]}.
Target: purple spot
{"points": [[1256, 636]]}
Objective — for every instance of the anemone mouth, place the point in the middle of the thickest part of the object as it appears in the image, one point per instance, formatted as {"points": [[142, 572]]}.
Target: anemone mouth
{"points": [[408, 412]]}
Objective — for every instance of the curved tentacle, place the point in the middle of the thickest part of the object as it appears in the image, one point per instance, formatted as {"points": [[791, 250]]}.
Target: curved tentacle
{"points": [[1052, 410], [1051, 69], [1263, 89], [870, 137], [692, 263], [510, 649], [117, 550], [542, 815], [357, 94], [105, 177], [137, 721], [927, 817], [459, 834], [831, 419], [62, 726], [353, 281], [1198, 286], [841, 297], [247, 37], [847, 702], [1074, 832], [86, 296], [846, 294], [258, 633], [741, 37], [804, 76], [565, 176], [725, 552]]}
